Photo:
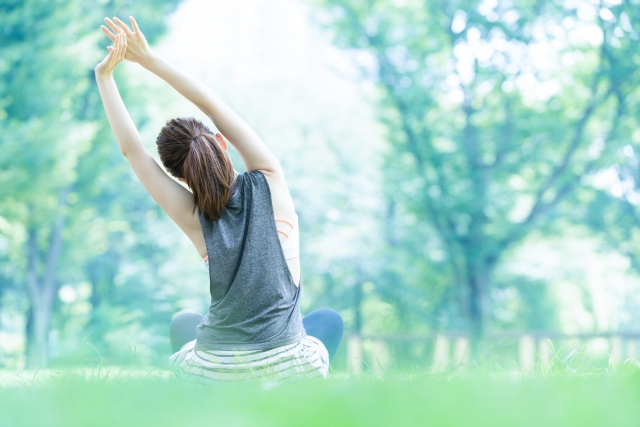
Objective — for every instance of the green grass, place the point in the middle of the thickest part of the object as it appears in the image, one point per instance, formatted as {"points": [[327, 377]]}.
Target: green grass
{"points": [[96, 398]]}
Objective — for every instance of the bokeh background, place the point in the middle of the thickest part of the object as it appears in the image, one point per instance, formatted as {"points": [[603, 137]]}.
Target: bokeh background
{"points": [[461, 169]]}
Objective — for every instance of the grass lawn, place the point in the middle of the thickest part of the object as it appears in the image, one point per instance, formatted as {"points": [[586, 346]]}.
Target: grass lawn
{"points": [[68, 400]]}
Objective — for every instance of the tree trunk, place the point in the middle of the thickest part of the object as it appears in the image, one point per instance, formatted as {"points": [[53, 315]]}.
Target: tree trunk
{"points": [[357, 306], [42, 289], [477, 279], [475, 314], [38, 318]]}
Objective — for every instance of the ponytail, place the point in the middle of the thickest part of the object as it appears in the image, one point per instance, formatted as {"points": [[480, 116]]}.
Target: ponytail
{"points": [[208, 172], [189, 150]]}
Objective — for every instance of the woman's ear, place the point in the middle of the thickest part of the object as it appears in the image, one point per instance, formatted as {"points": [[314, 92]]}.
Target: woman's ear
{"points": [[222, 141]]}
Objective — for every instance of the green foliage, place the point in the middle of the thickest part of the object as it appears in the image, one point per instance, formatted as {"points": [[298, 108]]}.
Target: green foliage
{"points": [[495, 114], [499, 121], [64, 186], [520, 303]]}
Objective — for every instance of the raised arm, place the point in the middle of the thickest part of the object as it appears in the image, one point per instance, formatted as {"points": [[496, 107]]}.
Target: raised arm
{"points": [[254, 153], [174, 199]]}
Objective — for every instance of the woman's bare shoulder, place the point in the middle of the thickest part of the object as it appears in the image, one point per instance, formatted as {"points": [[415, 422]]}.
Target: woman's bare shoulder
{"points": [[280, 196]]}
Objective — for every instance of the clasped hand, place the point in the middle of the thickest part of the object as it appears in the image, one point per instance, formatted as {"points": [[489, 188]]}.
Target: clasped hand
{"points": [[128, 44]]}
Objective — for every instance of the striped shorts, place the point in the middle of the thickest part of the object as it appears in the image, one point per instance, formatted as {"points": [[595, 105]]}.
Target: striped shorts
{"points": [[307, 358]]}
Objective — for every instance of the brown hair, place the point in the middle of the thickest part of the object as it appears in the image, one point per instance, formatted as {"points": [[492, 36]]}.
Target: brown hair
{"points": [[189, 150]]}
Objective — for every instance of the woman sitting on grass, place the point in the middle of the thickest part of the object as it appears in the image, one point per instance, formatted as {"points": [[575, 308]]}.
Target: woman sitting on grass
{"points": [[244, 226]]}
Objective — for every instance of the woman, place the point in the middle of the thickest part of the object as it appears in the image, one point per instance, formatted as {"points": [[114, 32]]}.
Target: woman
{"points": [[243, 225]]}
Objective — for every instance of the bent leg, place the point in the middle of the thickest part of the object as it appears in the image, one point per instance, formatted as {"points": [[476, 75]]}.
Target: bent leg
{"points": [[326, 325], [183, 329]]}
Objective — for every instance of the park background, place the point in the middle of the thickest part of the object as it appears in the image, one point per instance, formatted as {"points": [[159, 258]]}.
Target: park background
{"points": [[459, 168]]}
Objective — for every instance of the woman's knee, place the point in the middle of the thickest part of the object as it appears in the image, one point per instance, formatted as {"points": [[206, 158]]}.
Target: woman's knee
{"points": [[183, 329], [324, 321], [333, 318], [327, 326], [185, 320]]}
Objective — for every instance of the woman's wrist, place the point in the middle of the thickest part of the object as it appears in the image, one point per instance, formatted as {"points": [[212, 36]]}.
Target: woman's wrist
{"points": [[148, 60], [103, 76]]}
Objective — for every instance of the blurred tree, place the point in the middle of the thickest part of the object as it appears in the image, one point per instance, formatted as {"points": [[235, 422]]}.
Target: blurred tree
{"points": [[51, 132], [611, 204], [615, 217], [495, 111]]}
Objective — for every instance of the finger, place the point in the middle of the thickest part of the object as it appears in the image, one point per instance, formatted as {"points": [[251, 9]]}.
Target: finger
{"points": [[111, 25], [121, 49], [123, 46], [134, 24], [123, 26], [108, 33], [116, 47], [116, 30], [110, 48]]}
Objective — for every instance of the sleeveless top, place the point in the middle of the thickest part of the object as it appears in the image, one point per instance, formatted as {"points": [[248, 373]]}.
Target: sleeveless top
{"points": [[255, 305]]}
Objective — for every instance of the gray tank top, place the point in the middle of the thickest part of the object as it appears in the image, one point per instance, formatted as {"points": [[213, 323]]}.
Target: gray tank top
{"points": [[255, 305]]}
